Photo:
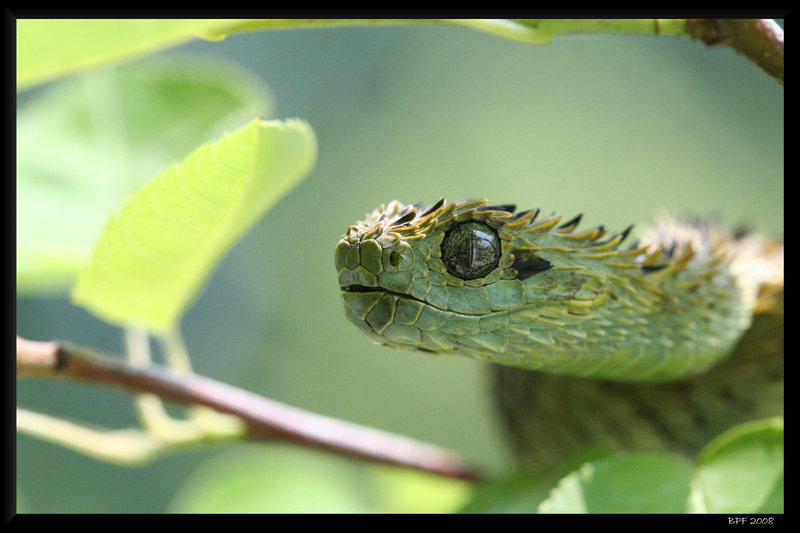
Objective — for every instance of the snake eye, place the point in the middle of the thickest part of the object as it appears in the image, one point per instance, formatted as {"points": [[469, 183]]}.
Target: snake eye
{"points": [[470, 250]]}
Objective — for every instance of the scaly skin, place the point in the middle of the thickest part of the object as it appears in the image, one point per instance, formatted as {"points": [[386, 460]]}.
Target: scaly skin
{"points": [[542, 296]]}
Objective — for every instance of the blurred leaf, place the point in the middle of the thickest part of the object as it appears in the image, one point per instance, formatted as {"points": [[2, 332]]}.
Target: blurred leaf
{"points": [[47, 49], [284, 479], [84, 145], [520, 492], [157, 251], [401, 490], [624, 483], [270, 479], [742, 470]]}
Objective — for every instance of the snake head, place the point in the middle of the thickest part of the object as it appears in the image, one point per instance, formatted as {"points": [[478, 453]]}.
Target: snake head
{"points": [[527, 290], [445, 277]]}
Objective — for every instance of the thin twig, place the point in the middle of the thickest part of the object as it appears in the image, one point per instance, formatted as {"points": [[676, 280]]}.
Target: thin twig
{"points": [[759, 40], [265, 419]]}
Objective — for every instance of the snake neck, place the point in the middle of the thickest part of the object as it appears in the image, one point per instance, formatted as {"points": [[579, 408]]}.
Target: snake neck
{"points": [[553, 422]]}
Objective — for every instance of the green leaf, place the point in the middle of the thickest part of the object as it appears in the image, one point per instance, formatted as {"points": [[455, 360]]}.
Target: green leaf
{"points": [[85, 145], [624, 483], [284, 479], [742, 470], [519, 492], [270, 479], [157, 251], [48, 49], [402, 490]]}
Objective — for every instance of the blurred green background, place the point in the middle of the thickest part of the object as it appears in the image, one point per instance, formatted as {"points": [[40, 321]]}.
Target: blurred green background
{"points": [[615, 127]]}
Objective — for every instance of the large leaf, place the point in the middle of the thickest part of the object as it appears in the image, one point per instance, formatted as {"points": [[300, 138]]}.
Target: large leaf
{"points": [[85, 145], [742, 470], [157, 251], [47, 49]]}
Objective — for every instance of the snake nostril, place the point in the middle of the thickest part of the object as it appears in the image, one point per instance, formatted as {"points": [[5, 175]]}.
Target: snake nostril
{"points": [[395, 258]]}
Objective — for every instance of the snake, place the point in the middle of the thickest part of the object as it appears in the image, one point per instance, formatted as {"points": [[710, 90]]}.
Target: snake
{"points": [[594, 345]]}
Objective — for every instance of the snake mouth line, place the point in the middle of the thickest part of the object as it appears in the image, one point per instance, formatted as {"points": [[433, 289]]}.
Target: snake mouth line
{"points": [[365, 288]]}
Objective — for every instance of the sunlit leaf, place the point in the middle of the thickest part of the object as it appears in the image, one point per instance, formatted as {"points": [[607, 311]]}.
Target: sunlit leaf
{"points": [[157, 251], [85, 145], [50, 48], [399, 490]]}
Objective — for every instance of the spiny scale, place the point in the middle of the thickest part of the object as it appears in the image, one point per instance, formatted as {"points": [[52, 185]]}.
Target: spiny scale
{"points": [[559, 300]]}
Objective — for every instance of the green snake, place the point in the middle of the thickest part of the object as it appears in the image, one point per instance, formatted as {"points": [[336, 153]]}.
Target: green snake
{"points": [[644, 346]]}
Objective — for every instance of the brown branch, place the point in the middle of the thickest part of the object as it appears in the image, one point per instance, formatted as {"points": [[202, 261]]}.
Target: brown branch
{"points": [[266, 419], [759, 40]]}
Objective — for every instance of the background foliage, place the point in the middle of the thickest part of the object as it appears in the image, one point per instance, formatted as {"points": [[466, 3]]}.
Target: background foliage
{"points": [[616, 127]]}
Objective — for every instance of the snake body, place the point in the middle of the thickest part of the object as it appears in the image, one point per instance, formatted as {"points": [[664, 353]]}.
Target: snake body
{"points": [[591, 341]]}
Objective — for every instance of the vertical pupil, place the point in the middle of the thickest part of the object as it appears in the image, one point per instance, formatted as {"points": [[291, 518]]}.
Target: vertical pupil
{"points": [[478, 247], [470, 250]]}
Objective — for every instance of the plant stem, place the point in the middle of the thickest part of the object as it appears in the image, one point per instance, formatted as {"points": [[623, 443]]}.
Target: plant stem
{"points": [[265, 419], [759, 40], [123, 446]]}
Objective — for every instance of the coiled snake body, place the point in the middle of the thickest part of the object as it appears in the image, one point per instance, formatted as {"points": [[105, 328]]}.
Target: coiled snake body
{"points": [[649, 346]]}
